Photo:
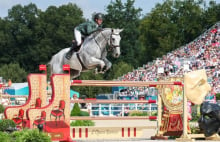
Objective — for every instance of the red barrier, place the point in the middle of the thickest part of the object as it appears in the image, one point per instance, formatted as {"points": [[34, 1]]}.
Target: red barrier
{"points": [[76, 81], [152, 117]]}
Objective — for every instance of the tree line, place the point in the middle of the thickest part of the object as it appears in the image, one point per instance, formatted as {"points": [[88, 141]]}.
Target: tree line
{"points": [[30, 36]]}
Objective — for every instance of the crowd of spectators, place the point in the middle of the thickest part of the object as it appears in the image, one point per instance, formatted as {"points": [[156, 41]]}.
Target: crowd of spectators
{"points": [[202, 53]]}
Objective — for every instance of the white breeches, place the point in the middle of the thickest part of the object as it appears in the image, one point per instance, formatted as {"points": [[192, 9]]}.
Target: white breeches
{"points": [[78, 37]]}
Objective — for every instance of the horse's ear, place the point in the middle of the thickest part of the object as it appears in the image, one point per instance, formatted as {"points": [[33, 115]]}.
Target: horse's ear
{"points": [[120, 30]]}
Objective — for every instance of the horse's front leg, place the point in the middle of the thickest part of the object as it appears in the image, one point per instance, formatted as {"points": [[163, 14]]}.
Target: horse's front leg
{"points": [[96, 62], [108, 64]]}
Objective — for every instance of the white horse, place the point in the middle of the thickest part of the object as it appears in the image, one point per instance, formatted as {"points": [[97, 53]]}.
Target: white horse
{"points": [[91, 55]]}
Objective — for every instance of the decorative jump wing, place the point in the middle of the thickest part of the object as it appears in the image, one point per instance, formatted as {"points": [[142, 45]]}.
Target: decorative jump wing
{"points": [[196, 86]]}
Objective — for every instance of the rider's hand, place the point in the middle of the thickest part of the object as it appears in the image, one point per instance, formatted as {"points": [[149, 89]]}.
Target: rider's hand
{"points": [[99, 29]]}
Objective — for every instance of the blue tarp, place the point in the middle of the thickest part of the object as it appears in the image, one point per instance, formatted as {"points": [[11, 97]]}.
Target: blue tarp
{"points": [[72, 92], [17, 89], [23, 89], [117, 88]]}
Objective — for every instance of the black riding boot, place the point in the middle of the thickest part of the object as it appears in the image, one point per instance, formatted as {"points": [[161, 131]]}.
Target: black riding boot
{"points": [[70, 52]]}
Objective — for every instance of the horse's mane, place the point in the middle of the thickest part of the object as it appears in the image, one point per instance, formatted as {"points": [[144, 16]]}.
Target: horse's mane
{"points": [[95, 33]]}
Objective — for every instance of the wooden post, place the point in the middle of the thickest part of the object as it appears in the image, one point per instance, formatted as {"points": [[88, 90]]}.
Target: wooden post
{"points": [[185, 137], [159, 112]]}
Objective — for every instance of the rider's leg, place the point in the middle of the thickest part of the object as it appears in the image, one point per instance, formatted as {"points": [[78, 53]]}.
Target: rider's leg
{"points": [[78, 38]]}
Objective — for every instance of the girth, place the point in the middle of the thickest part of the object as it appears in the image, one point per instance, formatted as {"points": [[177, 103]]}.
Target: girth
{"points": [[83, 66]]}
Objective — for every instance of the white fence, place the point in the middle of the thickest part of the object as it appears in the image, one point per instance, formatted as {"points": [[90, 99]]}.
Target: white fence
{"points": [[120, 109]]}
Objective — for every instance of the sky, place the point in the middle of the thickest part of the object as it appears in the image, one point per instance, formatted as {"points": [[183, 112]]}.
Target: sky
{"points": [[88, 6]]}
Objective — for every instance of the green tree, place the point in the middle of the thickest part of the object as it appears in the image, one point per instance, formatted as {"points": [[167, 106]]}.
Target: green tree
{"points": [[30, 36], [125, 16], [76, 110], [119, 69], [91, 91], [59, 23], [23, 26], [14, 72], [5, 42], [211, 14], [169, 26]]}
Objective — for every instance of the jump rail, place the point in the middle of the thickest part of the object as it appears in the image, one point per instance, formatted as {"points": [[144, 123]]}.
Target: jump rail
{"points": [[114, 118], [121, 83], [112, 101]]}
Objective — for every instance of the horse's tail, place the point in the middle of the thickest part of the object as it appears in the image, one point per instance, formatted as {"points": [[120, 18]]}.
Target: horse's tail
{"points": [[50, 65], [56, 62]]}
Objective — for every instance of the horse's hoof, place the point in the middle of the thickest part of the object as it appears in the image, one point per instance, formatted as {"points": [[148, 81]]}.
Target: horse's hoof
{"points": [[104, 68], [102, 72]]}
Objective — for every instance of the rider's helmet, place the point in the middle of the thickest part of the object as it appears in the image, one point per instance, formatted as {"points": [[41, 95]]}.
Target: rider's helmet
{"points": [[98, 16]]}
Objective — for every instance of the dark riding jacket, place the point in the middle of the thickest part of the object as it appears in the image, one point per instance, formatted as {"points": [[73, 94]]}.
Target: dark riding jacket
{"points": [[88, 27]]}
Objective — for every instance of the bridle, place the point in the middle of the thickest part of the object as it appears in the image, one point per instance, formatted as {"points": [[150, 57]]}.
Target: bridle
{"points": [[112, 46]]}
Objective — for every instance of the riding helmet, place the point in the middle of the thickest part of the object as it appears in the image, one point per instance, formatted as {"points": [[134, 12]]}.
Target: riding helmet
{"points": [[98, 16]]}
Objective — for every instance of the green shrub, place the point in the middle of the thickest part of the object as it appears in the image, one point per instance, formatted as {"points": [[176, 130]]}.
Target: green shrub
{"points": [[195, 130], [30, 135], [195, 117], [6, 123], [173, 137], [84, 113], [82, 123], [5, 137], [154, 113], [138, 113], [76, 110], [1, 108], [218, 96]]}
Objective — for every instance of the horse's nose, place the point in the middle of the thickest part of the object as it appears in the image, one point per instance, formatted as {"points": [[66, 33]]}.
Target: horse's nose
{"points": [[116, 55]]}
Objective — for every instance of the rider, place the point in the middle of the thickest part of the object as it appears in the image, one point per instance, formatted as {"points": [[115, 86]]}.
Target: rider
{"points": [[84, 30]]}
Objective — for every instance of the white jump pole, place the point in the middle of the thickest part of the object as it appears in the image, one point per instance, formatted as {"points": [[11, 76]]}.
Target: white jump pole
{"points": [[121, 83]]}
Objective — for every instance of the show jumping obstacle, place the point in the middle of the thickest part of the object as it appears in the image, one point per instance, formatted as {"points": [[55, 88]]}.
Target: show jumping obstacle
{"points": [[58, 127], [57, 118]]}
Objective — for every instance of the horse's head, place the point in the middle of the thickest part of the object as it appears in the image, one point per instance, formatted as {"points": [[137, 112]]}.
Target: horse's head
{"points": [[114, 42]]}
